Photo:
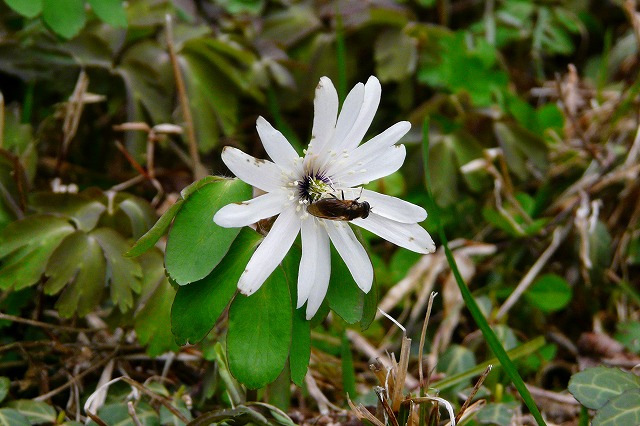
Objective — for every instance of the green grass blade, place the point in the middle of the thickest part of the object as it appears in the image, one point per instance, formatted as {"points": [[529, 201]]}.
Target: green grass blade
{"points": [[469, 301]]}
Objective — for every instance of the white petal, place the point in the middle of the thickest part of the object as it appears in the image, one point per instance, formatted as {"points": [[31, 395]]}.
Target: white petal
{"points": [[352, 252], [375, 146], [235, 215], [374, 168], [387, 206], [325, 114], [277, 146], [348, 116], [408, 235], [270, 252], [318, 292], [262, 174], [370, 103], [315, 264]]}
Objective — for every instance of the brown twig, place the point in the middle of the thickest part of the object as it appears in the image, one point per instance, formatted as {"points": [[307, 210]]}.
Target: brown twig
{"points": [[40, 324], [198, 169]]}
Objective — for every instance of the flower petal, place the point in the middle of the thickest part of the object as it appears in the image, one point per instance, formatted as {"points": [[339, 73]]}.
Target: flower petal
{"points": [[235, 215], [262, 174], [325, 114], [352, 252], [387, 206], [348, 116], [318, 292], [372, 169], [370, 103], [378, 144], [315, 264], [270, 252], [277, 146], [408, 235]]}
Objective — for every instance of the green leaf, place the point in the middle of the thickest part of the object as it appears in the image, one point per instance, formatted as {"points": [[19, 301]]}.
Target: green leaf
{"points": [[82, 210], [27, 8], [37, 412], [344, 296], [79, 264], [10, 417], [301, 328], [160, 228], [140, 213], [621, 410], [26, 245], [152, 320], [456, 360], [628, 333], [110, 11], [595, 387], [197, 306], [396, 55], [196, 244], [259, 335], [5, 384], [124, 273], [117, 414], [549, 293], [521, 147], [500, 414], [65, 17]]}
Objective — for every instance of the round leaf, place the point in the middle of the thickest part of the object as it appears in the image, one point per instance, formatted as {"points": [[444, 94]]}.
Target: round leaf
{"points": [[196, 244], [549, 293], [259, 333], [594, 387], [622, 410], [197, 306], [65, 17], [110, 11]]}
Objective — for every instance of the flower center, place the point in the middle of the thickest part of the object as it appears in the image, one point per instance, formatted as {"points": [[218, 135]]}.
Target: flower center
{"points": [[313, 187]]}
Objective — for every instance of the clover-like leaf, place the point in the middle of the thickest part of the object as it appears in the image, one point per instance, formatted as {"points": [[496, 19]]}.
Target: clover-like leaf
{"points": [[123, 273], [621, 410], [65, 17], [37, 412], [79, 264], [11, 417], [595, 387], [25, 247]]}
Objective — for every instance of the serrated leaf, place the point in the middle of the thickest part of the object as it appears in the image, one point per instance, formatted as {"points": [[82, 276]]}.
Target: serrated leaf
{"points": [[65, 17], [123, 273], [196, 244], [621, 410], [36, 412], [11, 417], [196, 307], [595, 387], [160, 228], [259, 334], [5, 384], [77, 263], [152, 319], [549, 293], [110, 11], [140, 213], [82, 210], [26, 245]]}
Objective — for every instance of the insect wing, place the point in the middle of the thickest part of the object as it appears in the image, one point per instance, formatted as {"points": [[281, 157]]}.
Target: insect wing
{"points": [[329, 209]]}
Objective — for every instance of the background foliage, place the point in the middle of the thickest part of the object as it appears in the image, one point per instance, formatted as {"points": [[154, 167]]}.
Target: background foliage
{"points": [[111, 109]]}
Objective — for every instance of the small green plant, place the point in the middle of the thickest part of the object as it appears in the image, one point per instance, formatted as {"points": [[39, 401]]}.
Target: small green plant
{"points": [[613, 393]]}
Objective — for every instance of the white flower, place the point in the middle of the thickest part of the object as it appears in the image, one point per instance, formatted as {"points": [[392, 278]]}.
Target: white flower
{"points": [[334, 163]]}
